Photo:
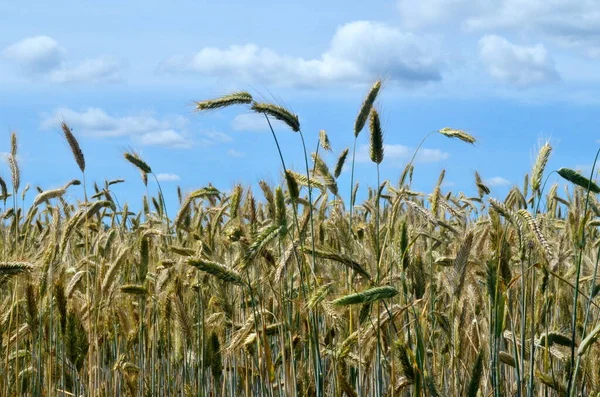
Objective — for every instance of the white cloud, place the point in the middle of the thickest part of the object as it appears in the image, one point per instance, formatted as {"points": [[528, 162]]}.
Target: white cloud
{"points": [[143, 129], [399, 153], [37, 54], [572, 24], [235, 153], [216, 136], [497, 181], [41, 57], [168, 177], [358, 53], [169, 138], [91, 71], [518, 65]]}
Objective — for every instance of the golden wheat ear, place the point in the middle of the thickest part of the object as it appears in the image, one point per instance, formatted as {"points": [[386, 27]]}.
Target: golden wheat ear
{"points": [[539, 166], [324, 140], [460, 134], [236, 98]]}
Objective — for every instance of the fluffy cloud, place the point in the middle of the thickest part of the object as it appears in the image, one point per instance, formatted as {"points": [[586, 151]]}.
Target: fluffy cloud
{"points": [[358, 52], [169, 138], [142, 129], [89, 70], [37, 54], [399, 153], [573, 24], [168, 177], [518, 65], [497, 181], [41, 57]]}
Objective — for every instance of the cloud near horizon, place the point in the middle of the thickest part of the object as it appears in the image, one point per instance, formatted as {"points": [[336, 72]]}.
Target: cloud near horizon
{"points": [[142, 129]]}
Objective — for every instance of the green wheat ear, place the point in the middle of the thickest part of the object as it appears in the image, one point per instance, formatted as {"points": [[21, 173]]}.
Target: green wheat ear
{"points": [[278, 112], [292, 185], [578, 179], [140, 164], [376, 146], [365, 109], [218, 270], [13, 268], [339, 165], [370, 295], [134, 289], [74, 145], [236, 98]]}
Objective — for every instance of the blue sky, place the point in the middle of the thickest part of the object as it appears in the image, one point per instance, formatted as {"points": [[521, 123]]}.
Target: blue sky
{"points": [[513, 73]]}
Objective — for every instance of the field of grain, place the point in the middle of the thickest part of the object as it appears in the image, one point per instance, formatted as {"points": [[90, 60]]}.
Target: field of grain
{"points": [[299, 290]]}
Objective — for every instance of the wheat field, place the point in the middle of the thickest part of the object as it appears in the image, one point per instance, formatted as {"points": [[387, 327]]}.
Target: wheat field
{"points": [[298, 289]]}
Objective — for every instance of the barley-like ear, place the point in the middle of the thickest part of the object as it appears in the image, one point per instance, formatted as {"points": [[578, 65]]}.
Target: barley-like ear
{"points": [[48, 195], [333, 255], [322, 170], [140, 164], [324, 140], [32, 307], [234, 201], [292, 185], [535, 229], [134, 289], [482, 189], [554, 338], [370, 295], [476, 374], [578, 179], [13, 268], [460, 134], [376, 147], [74, 145], [14, 146], [281, 212], [406, 361], [236, 98], [218, 270], [15, 171], [365, 109], [339, 165], [61, 303], [3, 189], [539, 166], [279, 113], [460, 263]]}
